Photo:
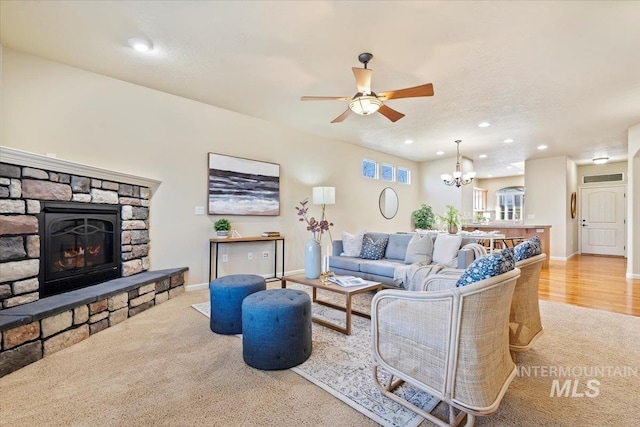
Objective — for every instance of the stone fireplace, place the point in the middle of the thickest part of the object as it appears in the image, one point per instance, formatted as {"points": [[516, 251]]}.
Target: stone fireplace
{"points": [[75, 253]]}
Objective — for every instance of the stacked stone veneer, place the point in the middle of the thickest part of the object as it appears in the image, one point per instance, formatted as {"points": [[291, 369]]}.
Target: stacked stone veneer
{"points": [[21, 191], [51, 327]]}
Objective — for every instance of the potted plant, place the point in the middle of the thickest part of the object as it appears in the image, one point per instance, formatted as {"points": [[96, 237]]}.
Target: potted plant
{"points": [[424, 218], [452, 218], [222, 227]]}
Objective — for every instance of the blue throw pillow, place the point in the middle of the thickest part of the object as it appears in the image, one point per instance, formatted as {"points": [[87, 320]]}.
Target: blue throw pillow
{"points": [[487, 266], [527, 249], [373, 249]]}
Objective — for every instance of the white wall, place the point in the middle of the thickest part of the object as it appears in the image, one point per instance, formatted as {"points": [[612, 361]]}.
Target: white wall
{"points": [[633, 204], [547, 201], [605, 169], [572, 223], [104, 122]]}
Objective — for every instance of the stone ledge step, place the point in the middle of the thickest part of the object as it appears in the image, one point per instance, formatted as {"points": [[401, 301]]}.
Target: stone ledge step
{"points": [[31, 312]]}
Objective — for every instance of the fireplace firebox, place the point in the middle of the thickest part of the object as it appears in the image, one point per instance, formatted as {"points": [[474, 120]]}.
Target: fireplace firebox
{"points": [[79, 246]]}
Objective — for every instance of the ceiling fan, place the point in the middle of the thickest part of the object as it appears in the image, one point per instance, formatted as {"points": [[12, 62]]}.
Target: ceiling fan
{"points": [[365, 101]]}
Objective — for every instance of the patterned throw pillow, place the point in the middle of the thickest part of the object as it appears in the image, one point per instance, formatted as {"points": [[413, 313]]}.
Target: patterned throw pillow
{"points": [[373, 249], [352, 243], [487, 266], [527, 249]]}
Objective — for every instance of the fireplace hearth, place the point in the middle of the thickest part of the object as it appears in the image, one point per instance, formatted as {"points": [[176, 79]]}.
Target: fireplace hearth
{"points": [[80, 246]]}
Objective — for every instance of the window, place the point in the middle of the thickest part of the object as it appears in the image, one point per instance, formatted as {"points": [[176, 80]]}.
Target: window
{"points": [[510, 203], [404, 175], [369, 169], [479, 200], [387, 173]]}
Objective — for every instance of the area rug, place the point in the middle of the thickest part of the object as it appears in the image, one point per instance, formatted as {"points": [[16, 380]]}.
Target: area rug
{"points": [[341, 365]]}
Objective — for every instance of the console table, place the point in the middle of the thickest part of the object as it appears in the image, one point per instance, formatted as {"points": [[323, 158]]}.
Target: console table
{"points": [[227, 240]]}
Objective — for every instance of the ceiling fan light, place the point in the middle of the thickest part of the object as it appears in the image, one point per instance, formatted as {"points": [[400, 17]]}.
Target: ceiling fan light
{"points": [[365, 104]]}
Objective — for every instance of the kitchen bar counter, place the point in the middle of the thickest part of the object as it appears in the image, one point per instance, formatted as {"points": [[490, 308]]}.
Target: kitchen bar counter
{"points": [[525, 231]]}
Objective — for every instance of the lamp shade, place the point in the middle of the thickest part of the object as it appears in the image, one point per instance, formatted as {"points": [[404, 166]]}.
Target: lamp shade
{"points": [[324, 195]]}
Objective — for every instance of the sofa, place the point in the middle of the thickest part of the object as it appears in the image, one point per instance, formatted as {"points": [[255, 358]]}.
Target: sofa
{"points": [[395, 255]]}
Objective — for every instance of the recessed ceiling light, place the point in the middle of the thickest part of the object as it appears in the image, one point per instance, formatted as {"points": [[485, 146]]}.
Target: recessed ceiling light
{"points": [[483, 156], [542, 147], [508, 141], [141, 45], [439, 153], [600, 160], [484, 124], [409, 141]]}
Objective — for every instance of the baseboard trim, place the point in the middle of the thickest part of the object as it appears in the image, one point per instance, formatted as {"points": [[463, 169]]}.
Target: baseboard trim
{"points": [[558, 258], [205, 285], [633, 276], [196, 287]]}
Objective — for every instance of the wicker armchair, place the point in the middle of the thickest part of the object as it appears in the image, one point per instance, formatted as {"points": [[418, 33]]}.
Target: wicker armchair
{"points": [[524, 322], [451, 343]]}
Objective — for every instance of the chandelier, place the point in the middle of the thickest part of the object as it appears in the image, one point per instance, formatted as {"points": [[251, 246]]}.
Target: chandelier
{"points": [[458, 178]]}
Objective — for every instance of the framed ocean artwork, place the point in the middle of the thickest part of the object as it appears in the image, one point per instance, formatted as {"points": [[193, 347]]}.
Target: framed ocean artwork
{"points": [[239, 186]]}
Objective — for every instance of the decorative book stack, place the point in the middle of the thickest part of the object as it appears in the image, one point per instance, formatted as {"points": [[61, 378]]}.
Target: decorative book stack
{"points": [[270, 234]]}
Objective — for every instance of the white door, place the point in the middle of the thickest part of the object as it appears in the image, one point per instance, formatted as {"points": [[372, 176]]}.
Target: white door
{"points": [[602, 220]]}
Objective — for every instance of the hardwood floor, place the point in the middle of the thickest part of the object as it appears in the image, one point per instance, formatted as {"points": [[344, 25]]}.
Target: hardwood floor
{"points": [[591, 281]]}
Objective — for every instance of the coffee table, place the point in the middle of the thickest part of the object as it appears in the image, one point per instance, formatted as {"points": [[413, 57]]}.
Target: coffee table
{"points": [[348, 292]]}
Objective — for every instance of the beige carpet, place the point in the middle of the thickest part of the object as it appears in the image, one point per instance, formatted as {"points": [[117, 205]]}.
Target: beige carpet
{"points": [[164, 367]]}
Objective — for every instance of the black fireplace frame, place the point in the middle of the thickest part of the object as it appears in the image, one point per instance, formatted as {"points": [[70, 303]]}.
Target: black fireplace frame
{"points": [[87, 276]]}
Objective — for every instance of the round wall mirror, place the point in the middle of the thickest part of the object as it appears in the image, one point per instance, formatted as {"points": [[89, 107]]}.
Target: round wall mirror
{"points": [[388, 203]]}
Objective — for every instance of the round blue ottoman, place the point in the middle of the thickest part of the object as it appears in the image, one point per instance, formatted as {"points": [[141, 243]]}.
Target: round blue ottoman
{"points": [[276, 329], [225, 295]]}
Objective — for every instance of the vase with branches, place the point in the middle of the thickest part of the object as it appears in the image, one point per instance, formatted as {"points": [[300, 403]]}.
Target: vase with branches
{"points": [[316, 227], [313, 251]]}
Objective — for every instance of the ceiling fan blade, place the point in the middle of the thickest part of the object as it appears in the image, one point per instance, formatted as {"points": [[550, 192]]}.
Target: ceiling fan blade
{"points": [[410, 92], [390, 113], [342, 116], [325, 98], [363, 79]]}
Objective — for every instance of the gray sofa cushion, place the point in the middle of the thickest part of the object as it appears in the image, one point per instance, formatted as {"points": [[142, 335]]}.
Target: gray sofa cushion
{"points": [[382, 267], [345, 262], [397, 246]]}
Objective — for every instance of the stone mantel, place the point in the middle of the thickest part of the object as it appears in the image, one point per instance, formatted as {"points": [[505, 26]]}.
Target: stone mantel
{"points": [[25, 158]]}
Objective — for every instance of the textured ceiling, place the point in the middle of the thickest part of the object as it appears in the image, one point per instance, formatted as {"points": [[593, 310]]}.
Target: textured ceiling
{"points": [[563, 74]]}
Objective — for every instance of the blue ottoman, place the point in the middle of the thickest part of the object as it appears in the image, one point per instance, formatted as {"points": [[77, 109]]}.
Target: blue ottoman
{"points": [[276, 329], [225, 295]]}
